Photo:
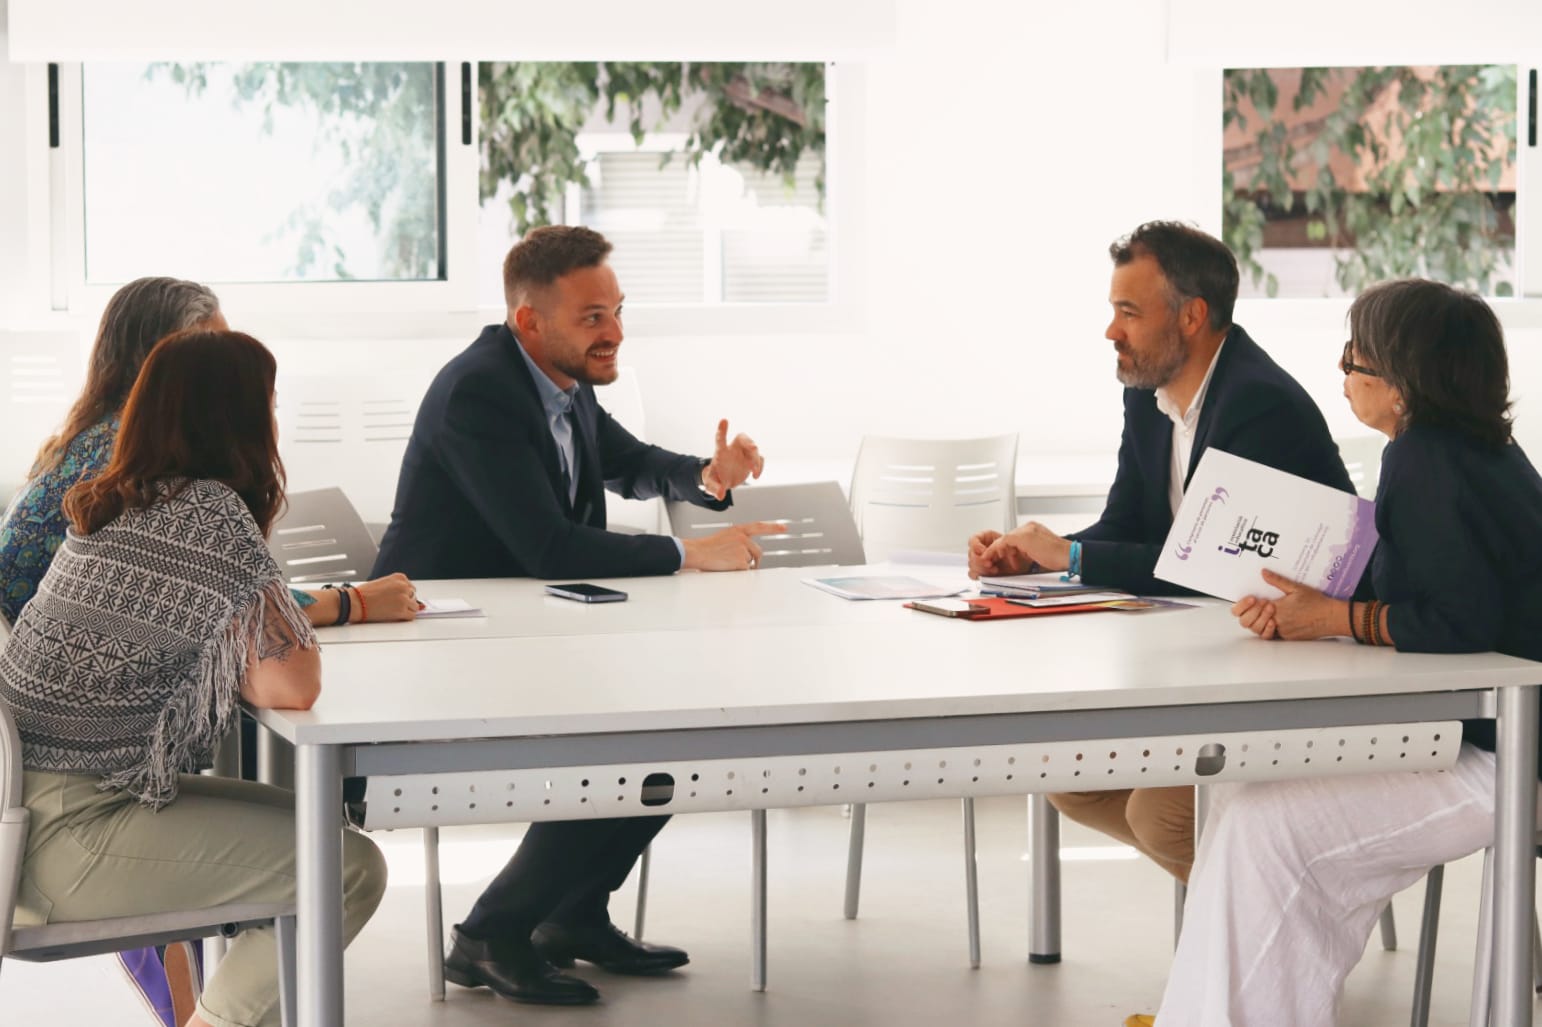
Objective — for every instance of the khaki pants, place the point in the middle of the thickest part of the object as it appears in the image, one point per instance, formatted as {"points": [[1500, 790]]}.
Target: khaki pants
{"points": [[93, 854], [1157, 821]]}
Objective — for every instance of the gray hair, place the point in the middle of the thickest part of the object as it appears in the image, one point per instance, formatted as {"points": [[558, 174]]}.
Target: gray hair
{"points": [[138, 316]]}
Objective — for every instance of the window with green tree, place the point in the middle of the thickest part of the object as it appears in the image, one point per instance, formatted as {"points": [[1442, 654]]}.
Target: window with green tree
{"points": [[1335, 178], [710, 178]]}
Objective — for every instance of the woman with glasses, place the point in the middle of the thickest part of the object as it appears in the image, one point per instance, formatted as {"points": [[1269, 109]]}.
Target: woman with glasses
{"points": [[1291, 876]]}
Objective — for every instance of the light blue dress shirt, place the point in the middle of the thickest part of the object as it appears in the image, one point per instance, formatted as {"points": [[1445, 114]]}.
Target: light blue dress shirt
{"points": [[558, 403]]}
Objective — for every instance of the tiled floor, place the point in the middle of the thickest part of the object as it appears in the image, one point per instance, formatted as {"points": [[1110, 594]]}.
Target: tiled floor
{"points": [[903, 963]]}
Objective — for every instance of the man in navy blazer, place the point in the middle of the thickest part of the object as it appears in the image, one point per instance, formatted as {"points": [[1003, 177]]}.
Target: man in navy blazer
{"points": [[1193, 380], [505, 476]]}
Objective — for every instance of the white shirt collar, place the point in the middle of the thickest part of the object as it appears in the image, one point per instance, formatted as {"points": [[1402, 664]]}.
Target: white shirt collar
{"points": [[1190, 418]]}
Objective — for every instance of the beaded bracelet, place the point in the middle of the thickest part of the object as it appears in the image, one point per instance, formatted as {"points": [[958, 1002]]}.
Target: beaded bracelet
{"points": [[1368, 613], [344, 608], [1376, 637], [363, 609]]}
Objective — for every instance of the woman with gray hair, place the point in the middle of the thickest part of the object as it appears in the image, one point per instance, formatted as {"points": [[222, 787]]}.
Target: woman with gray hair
{"points": [[1291, 875], [137, 317]]}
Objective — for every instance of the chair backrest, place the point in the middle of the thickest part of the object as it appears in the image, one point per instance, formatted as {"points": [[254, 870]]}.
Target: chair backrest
{"points": [[622, 400], [13, 815], [350, 431], [932, 494], [820, 528], [1362, 459], [320, 537]]}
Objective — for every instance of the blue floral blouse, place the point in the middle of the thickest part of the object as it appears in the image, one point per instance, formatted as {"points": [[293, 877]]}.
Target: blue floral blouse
{"points": [[33, 527]]}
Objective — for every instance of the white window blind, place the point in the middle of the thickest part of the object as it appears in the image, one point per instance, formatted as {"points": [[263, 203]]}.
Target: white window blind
{"points": [[710, 234], [652, 216]]}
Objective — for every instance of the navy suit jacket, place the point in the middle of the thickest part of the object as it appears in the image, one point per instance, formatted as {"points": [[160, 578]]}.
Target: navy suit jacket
{"points": [[1252, 409], [481, 493]]}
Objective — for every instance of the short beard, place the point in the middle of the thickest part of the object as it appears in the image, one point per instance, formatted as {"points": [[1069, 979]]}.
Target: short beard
{"points": [[579, 371], [1155, 370]]}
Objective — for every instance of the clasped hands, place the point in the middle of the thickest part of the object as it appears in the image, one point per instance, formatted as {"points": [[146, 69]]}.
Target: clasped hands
{"points": [[1301, 613], [1026, 549]]}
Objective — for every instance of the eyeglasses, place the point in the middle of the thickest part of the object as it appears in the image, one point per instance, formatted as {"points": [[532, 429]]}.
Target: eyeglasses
{"points": [[1350, 367]]}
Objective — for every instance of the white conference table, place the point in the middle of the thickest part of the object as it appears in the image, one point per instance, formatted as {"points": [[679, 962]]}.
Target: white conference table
{"points": [[743, 677]]}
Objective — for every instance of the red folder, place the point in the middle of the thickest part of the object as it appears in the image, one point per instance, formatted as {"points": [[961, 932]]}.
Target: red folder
{"points": [[998, 608]]}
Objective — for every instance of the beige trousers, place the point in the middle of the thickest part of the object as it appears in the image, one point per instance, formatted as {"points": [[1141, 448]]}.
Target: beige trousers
{"points": [[1157, 821], [93, 854]]}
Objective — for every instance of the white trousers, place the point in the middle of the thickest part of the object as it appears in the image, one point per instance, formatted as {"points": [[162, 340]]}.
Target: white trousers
{"points": [[1290, 879]]}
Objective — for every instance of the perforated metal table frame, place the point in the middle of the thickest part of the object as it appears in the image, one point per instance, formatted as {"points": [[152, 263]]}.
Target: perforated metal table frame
{"points": [[322, 768]]}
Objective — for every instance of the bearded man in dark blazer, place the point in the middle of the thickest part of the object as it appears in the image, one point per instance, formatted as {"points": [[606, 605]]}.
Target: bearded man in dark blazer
{"points": [[505, 476], [1193, 380]]}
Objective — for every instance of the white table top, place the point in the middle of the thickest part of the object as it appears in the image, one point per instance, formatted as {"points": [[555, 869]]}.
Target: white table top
{"points": [[690, 601], [734, 650]]}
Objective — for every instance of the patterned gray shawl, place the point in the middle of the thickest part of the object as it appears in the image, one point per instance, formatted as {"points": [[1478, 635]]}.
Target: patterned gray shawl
{"points": [[129, 660]]}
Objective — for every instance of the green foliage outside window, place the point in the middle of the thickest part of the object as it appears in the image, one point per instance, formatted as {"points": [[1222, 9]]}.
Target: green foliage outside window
{"points": [[763, 115], [1430, 206], [766, 116]]}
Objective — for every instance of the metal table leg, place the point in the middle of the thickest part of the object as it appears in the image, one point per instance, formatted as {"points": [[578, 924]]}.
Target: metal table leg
{"points": [[1514, 852], [758, 899], [1044, 864], [319, 884]]}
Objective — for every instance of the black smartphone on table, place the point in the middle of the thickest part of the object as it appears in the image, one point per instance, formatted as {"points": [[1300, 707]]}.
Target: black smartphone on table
{"points": [[583, 592]]}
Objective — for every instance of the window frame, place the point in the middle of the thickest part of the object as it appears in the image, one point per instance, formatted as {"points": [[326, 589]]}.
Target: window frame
{"points": [[458, 227], [407, 309]]}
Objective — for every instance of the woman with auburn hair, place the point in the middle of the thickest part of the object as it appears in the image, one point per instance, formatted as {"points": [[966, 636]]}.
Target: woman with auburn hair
{"points": [[136, 317], [159, 613], [1291, 876]]}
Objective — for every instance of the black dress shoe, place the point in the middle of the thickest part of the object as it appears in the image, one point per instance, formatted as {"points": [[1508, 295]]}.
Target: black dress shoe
{"points": [[514, 971], [607, 947]]}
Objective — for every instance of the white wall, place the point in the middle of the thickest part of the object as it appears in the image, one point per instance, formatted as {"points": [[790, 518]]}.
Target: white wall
{"points": [[1007, 145]]}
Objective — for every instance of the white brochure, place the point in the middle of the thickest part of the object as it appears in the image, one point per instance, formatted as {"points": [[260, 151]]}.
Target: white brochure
{"points": [[1239, 517]]}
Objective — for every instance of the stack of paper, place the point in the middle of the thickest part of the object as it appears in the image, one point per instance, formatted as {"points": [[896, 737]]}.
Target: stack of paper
{"points": [[1040, 586], [448, 608], [874, 587]]}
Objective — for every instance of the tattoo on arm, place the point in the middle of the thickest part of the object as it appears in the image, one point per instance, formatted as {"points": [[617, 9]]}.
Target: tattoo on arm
{"points": [[277, 640]]}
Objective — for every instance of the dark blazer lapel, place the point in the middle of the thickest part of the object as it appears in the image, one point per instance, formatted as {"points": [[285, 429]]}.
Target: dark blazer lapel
{"points": [[591, 481], [532, 403], [1232, 351]]}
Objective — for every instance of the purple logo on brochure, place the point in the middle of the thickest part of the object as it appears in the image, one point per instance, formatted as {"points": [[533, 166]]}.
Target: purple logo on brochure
{"points": [[1182, 552], [1220, 495], [1350, 557]]}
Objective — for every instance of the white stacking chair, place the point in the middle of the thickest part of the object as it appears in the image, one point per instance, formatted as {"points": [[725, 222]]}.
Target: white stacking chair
{"points": [[46, 943], [1362, 459], [930, 494], [321, 537], [820, 527], [1483, 961], [347, 431]]}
